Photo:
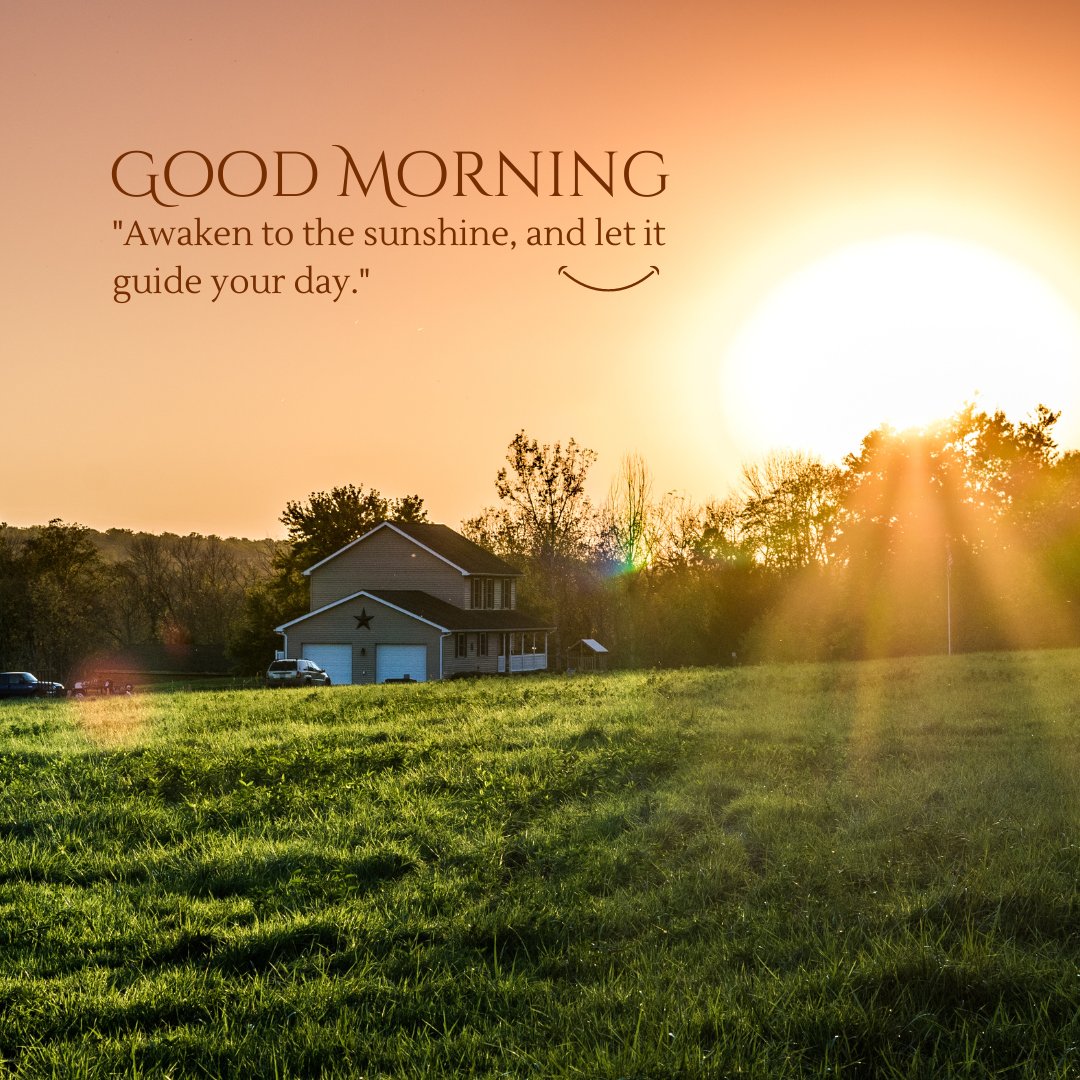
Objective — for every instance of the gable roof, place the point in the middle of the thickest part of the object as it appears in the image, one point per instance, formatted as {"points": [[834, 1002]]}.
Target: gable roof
{"points": [[435, 612], [442, 542], [588, 643]]}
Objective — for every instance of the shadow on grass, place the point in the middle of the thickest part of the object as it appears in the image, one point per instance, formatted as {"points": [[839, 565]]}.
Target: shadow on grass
{"points": [[310, 874]]}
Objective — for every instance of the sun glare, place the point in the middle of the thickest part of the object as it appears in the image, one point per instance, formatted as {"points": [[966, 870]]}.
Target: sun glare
{"points": [[900, 330]]}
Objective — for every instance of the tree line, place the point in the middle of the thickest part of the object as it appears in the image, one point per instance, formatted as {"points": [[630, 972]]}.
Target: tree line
{"points": [[961, 536], [964, 535], [71, 597]]}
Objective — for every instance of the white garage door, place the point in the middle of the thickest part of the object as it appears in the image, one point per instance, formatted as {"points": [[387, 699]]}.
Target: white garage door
{"points": [[397, 661], [335, 660]]}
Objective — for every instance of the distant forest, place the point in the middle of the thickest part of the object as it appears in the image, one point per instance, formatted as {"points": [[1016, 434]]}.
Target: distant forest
{"points": [[963, 536]]}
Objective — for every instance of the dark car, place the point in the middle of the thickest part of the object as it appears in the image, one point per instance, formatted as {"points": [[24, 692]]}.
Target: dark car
{"points": [[296, 673], [23, 684]]}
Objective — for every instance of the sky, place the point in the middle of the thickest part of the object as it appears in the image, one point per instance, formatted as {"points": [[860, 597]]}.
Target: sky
{"points": [[791, 136]]}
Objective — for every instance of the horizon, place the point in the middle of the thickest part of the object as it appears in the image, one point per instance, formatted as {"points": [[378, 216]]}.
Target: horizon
{"points": [[736, 488]]}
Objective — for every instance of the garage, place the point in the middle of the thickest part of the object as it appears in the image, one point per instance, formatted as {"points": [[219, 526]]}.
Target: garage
{"points": [[397, 661], [335, 660]]}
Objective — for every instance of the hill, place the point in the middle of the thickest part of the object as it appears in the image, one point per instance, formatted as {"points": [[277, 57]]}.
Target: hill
{"points": [[115, 545], [857, 869]]}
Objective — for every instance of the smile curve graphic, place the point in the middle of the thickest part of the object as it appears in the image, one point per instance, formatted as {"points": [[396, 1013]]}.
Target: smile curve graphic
{"points": [[616, 288]]}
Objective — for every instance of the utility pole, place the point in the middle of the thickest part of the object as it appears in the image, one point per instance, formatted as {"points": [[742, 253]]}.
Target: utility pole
{"points": [[948, 594]]}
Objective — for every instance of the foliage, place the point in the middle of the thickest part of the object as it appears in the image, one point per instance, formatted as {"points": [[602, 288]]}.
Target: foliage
{"points": [[280, 597], [953, 508], [628, 525], [331, 519], [788, 519], [805, 871], [52, 599], [545, 514], [179, 589], [71, 596]]}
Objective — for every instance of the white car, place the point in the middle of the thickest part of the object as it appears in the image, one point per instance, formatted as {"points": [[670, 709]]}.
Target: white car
{"points": [[296, 673]]}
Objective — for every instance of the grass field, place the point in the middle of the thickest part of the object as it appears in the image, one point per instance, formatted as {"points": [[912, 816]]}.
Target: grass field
{"points": [[857, 870]]}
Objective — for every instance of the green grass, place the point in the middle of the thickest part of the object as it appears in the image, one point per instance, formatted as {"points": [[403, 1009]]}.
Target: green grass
{"points": [[847, 870]]}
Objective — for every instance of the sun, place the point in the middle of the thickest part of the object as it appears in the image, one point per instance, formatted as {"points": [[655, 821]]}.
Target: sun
{"points": [[900, 330]]}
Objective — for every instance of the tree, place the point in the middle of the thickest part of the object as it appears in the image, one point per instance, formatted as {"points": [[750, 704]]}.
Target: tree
{"points": [[628, 513], [15, 629], [141, 601], [960, 481], [543, 492], [181, 589], [721, 542], [58, 607], [955, 519], [546, 525], [331, 519], [789, 516], [676, 533]]}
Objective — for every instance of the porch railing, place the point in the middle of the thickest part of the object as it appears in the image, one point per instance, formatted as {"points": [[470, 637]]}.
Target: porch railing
{"points": [[527, 662]]}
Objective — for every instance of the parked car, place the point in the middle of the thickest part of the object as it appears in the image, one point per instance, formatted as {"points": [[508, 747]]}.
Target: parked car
{"points": [[296, 673], [23, 684]]}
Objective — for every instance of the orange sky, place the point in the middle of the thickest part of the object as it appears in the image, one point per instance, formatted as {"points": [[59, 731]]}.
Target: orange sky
{"points": [[787, 129]]}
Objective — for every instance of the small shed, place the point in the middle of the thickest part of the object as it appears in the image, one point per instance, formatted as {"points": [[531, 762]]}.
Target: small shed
{"points": [[586, 655]]}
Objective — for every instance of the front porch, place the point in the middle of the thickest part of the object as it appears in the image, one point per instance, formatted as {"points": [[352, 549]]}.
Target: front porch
{"points": [[523, 651]]}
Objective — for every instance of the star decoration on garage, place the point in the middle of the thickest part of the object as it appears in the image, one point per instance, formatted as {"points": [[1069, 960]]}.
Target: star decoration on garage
{"points": [[363, 620]]}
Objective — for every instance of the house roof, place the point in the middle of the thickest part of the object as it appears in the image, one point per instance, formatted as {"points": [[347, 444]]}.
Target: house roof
{"points": [[435, 612], [442, 542], [432, 609]]}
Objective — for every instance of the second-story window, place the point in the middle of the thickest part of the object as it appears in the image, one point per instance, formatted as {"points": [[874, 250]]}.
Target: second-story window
{"points": [[490, 593], [483, 592]]}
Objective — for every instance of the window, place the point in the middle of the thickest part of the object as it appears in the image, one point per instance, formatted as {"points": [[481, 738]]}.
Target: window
{"points": [[481, 645], [483, 592], [461, 646]]}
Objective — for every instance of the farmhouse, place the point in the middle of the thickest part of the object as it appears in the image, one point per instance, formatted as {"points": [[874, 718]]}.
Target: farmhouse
{"points": [[410, 601]]}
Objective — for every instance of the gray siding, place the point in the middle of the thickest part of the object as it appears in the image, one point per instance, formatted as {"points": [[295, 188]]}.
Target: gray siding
{"points": [[388, 627], [387, 560], [473, 663]]}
